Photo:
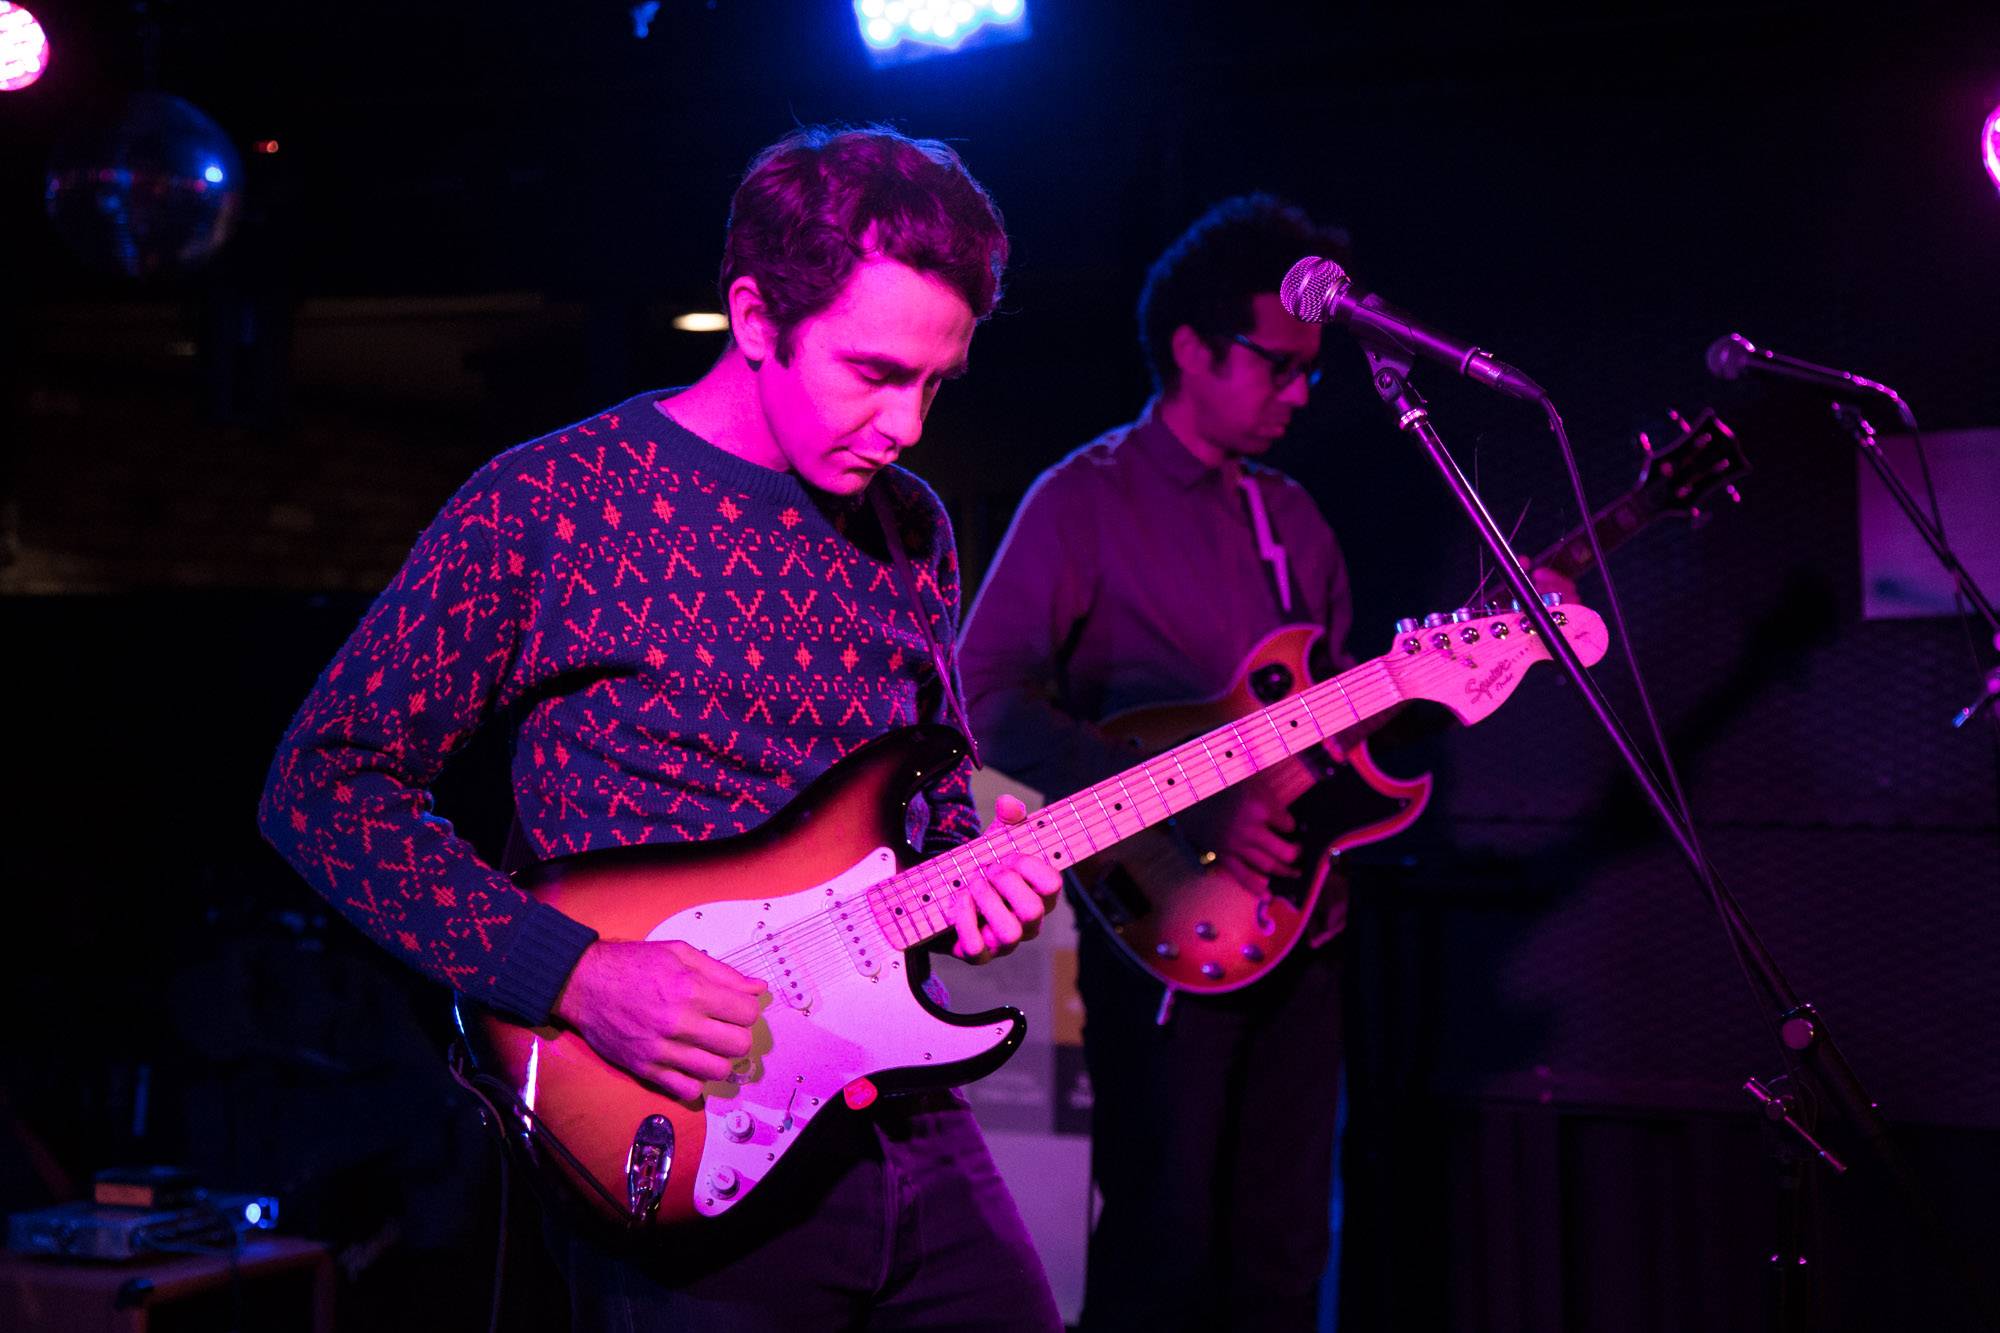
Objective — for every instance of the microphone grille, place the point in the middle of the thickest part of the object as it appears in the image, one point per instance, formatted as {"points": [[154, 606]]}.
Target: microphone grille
{"points": [[1312, 287], [1728, 355]]}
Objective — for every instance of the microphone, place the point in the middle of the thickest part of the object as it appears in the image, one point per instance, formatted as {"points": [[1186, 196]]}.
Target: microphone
{"points": [[1732, 354], [1319, 291]]}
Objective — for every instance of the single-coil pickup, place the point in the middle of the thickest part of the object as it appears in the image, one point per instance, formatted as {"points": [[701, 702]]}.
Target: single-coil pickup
{"points": [[857, 932], [787, 978]]}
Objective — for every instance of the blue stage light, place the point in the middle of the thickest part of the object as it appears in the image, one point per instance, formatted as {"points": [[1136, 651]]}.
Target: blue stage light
{"points": [[898, 30]]}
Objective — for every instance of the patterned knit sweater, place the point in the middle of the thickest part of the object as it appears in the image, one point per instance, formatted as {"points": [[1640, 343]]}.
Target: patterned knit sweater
{"points": [[679, 640]]}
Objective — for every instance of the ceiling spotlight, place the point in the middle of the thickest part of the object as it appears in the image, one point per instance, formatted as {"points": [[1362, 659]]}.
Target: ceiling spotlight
{"points": [[899, 30], [24, 48], [702, 321], [1989, 146]]}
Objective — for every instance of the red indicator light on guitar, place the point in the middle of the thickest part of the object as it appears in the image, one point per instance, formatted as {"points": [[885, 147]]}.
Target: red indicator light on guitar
{"points": [[860, 1094]]}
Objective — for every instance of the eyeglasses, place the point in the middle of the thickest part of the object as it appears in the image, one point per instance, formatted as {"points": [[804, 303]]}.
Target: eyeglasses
{"points": [[1284, 369]]}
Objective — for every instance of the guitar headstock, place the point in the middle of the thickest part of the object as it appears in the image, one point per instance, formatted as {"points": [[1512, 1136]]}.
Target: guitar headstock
{"points": [[1680, 475], [1677, 479], [1471, 659]]}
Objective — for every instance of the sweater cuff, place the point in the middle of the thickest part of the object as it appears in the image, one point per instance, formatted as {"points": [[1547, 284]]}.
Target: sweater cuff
{"points": [[539, 960]]}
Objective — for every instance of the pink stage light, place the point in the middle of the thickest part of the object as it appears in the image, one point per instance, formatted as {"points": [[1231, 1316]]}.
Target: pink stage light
{"points": [[1989, 146], [24, 48]]}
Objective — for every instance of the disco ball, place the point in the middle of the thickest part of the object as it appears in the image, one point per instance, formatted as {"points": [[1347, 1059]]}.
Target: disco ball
{"points": [[153, 192]]}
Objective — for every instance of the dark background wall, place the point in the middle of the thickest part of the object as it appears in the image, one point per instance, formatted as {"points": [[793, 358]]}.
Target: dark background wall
{"points": [[481, 219]]}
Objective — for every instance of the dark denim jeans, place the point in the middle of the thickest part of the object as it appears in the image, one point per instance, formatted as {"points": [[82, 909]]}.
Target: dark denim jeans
{"points": [[894, 1219], [1212, 1139]]}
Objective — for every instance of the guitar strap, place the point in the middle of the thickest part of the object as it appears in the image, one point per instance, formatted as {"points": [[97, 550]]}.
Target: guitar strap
{"points": [[892, 533], [1268, 546]]}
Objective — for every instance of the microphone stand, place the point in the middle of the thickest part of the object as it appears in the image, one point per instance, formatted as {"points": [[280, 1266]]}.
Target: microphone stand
{"points": [[1857, 425], [1804, 1041]]}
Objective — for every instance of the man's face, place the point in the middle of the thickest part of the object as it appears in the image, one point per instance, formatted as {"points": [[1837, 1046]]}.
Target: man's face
{"points": [[863, 373], [1238, 405]]}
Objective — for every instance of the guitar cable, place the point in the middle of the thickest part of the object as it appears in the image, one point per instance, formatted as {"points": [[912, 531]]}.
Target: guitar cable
{"points": [[491, 1093]]}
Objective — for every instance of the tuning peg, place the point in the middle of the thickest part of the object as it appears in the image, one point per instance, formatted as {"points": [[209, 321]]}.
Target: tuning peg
{"points": [[1436, 618], [1407, 625]]}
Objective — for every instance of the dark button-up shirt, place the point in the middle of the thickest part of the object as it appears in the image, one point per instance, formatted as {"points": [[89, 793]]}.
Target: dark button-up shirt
{"points": [[1132, 576]]}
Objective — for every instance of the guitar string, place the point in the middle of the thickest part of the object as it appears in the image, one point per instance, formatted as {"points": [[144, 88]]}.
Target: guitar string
{"points": [[815, 940], [916, 898], [926, 915], [917, 902]]}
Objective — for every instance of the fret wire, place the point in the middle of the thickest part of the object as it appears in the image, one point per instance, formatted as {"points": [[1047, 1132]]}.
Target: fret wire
{"points": [[1159, 792], [1118, 806], [1188, 789], [1090, 844]]}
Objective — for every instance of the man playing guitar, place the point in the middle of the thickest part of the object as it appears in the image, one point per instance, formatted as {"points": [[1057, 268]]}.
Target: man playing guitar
{"points": [[684, 611], [1140, 570]]}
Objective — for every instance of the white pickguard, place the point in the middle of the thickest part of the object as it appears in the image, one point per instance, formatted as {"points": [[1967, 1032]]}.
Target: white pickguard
{"points": [[807, 1049]]}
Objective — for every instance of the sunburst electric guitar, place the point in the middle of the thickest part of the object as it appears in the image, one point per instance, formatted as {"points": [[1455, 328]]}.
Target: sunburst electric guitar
{"points": [[827, 903], [1176, 912]]}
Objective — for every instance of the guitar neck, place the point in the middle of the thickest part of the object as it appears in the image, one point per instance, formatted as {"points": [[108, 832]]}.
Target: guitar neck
{"points": [[921, 902], [1616, 523]]}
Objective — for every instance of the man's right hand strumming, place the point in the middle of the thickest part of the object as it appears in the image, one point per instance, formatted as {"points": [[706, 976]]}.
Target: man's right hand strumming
{"points": [[663, 1011]]}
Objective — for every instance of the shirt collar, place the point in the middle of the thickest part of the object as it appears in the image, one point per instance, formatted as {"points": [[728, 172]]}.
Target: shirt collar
{"points": [[1164, 452]]}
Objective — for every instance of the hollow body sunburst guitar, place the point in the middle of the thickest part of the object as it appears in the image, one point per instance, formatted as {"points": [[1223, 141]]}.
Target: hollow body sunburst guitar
{"points": [[827, 903]]}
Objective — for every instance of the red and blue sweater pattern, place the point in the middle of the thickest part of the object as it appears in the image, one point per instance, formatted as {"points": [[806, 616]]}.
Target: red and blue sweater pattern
{"points": [[680, 641]]}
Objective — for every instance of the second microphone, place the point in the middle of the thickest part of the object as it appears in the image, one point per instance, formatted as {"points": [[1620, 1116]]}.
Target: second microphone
{"points": [[1319, 291]]}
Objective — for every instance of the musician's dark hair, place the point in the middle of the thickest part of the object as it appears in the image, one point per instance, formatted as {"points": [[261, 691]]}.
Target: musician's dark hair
{"points": [[1207, 277], [815, 202]]}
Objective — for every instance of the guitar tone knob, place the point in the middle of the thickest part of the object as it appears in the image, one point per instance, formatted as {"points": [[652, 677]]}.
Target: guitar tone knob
{"points": [[737, 1125], [723, 1182]]}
